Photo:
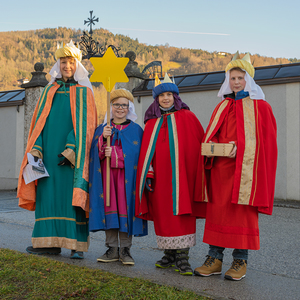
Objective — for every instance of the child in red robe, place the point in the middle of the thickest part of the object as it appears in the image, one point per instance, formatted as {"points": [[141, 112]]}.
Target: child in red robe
{"points": [[241, 185], [170, 194]]}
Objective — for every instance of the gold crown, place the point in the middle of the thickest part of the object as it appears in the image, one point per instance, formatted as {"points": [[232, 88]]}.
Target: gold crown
{"points": [[64, 50], [242, 63], [167, 79], [121, 93]]}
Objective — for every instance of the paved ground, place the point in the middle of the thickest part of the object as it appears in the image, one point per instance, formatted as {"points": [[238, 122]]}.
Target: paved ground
{"points": [[273, 271]]}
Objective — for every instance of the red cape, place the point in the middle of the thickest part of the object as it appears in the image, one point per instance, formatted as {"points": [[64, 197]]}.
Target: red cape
{"points": [[256, 159], [189, 169]]}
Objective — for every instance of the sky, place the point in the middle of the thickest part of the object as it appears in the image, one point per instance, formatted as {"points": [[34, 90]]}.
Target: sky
{"points": [[267, 28]]}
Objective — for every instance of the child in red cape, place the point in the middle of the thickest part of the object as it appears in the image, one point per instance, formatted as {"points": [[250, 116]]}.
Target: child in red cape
{"points": [[170, 176], [241, 185]]}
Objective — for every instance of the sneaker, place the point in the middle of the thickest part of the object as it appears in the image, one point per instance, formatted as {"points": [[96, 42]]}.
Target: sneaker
{"points": [[40, 251], [211, 266], [182, 262], [76, 254], [112, 254], [125, 256], [168, 260], [238, 270]]}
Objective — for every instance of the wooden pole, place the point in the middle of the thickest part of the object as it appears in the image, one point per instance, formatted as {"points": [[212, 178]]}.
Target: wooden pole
{"points": [[108, 145]]}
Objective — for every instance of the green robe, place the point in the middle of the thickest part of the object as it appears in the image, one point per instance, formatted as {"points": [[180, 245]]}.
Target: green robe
{"points": [[58, 223]]}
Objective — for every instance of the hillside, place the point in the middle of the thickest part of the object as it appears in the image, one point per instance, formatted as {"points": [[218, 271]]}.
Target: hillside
{"points": [[20, 50]]}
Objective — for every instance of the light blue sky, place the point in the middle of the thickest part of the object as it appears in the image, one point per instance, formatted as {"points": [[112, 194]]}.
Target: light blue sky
{"points": [[269, 28]]}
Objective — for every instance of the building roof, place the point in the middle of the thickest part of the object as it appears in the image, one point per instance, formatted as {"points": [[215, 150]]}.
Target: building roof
{"points": [[277, 74], [12, 98]]}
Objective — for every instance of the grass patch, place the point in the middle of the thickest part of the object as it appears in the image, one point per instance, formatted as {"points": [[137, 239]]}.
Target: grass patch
{"points": [[24, 276]]}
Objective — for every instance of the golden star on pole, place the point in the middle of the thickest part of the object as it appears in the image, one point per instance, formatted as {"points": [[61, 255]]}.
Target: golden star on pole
{"points": [[109, 69]]}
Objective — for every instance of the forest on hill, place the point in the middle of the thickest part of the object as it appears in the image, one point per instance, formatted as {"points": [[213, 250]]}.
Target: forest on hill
{"points": [[20, 50]]}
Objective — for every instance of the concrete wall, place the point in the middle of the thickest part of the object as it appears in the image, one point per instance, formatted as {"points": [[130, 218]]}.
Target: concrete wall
{"points": [[284, 100], [292, 141], [15, 126], [12, 145], [32, 96]]}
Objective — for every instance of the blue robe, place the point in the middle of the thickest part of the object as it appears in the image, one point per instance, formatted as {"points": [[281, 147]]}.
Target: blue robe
{"points": [[131, 139]]}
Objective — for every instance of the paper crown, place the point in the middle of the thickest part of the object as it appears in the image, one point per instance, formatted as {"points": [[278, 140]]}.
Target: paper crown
{"points": [[121, 93], [64, 50], [167, 86], [242, 63]]}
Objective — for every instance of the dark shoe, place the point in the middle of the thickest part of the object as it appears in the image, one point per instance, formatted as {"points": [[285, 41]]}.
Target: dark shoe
{"points": [[125, 256], [211, 266], [76, 254], [237, 271], [112, 254], [168, 260], [182, 262], [40, 251]]}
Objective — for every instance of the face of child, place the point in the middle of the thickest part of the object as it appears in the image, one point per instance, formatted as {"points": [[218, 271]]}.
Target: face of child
{"points": [[120, 107], [237, 80], [67, 67], [166, 100]]}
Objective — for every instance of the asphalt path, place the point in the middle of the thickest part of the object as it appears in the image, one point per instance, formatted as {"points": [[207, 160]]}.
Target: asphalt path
{"points": [[273, 272]]}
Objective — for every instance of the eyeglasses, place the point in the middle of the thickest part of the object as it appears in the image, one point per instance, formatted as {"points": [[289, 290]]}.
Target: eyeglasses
{"points": [[118, 105]]}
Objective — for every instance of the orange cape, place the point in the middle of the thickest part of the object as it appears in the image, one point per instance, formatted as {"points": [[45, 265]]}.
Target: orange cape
{"points": [[84, 117]]}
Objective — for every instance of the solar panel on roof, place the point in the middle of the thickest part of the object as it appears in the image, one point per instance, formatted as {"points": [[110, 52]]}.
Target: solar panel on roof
{"points": [[214, 78], [265, 73], [191, 80], [150, 85], [8, 96], [205, 79], [18, 97], [290, 71], [178, 79], [12, 96]]}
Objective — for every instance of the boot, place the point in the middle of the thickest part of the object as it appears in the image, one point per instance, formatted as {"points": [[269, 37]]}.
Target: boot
{"points": [[126, 257], [237, 271], [52, 250], [76, 254], [168, 260], [182, 262], [112, 254], [211, 266]]}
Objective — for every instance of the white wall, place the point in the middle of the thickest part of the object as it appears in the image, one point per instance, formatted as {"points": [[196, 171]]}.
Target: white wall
{"points": [[12, 145], [292, 140]]}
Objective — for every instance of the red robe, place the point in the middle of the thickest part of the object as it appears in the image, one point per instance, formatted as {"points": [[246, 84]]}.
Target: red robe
{"points": [[240, 188], [179, 186]]}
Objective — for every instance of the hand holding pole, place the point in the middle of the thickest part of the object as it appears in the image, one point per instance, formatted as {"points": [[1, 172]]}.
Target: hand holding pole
{"points": [[109, 69]]}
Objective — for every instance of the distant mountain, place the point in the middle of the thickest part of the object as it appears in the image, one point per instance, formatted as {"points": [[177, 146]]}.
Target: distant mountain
{"points": [[20, 50]]}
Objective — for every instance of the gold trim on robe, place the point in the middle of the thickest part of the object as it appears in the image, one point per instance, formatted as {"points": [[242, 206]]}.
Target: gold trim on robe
{"points": [[249, 153]]}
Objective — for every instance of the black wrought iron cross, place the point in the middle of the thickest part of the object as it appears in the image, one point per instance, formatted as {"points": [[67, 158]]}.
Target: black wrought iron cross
{"points": [[91, 21]]}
